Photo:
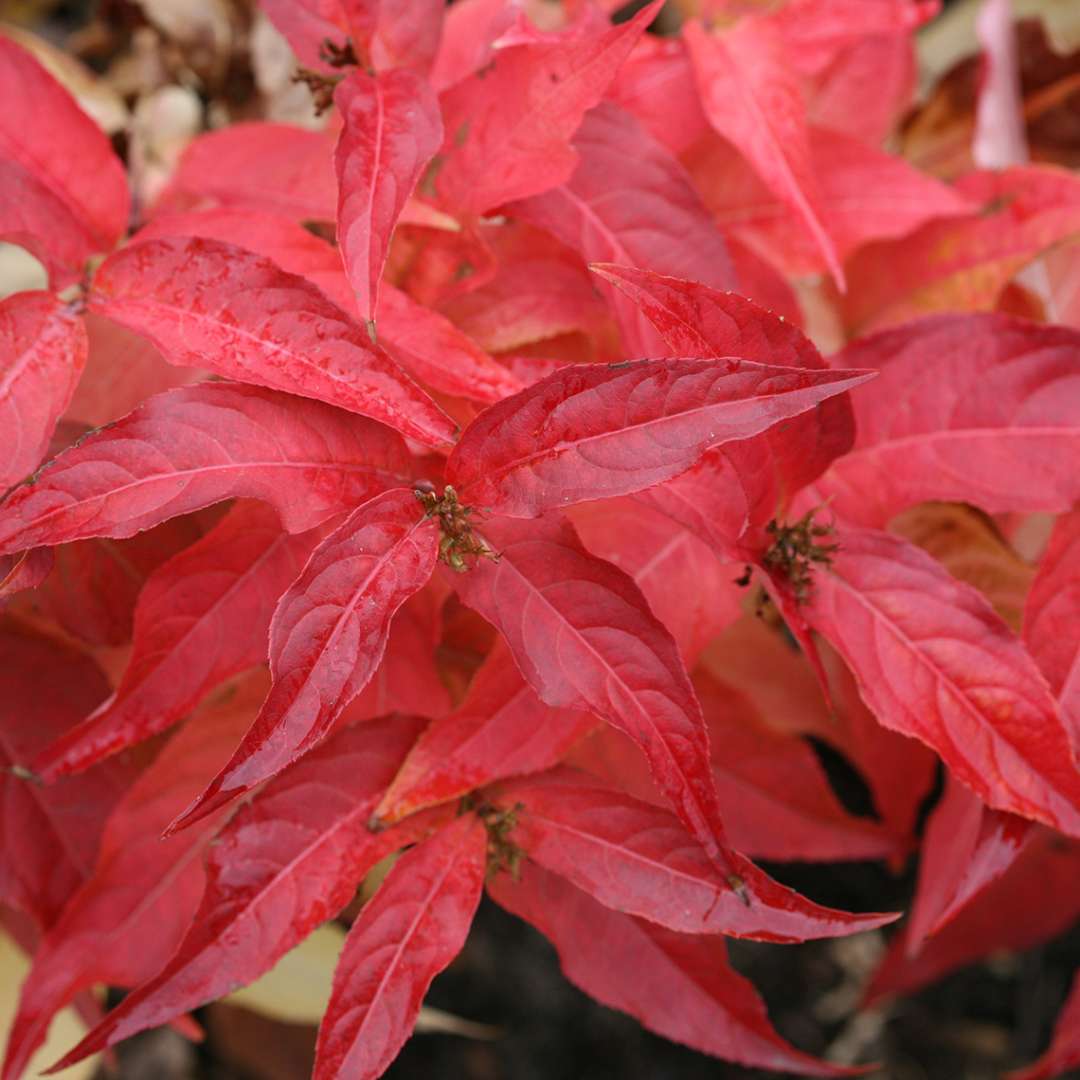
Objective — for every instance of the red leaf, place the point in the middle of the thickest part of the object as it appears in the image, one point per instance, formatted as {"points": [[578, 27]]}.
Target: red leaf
{"points": [[470, 29], [864, 194], [878, 72], [306, 24], [95, 584], [695, 320], [282, 866], [43, 348], [328, 636], [407, 933], [990, 416], [279, 238], [688, 589], [295, 174], [752, 97], [407, 34], [501, 729], [50, 834], [656, 85], [27, 570], [678, 985], [774, 796], [934, 661], [716, 501], [202, 617], [778, 683], [212, 305], [427, 345], [124, 922], [777, 800], [407, 681], [596, 431], [541, 291], [1064, 1051], [58, 144], [1043, 882], [761, 282], [584, 638], [392, 128], [35, 218], [637, 858], [195, 446], [816, 32], [966, 848], [437, 353], [122, 371], [509, 127], [629, 201], [899, 770], [1051, 616]]}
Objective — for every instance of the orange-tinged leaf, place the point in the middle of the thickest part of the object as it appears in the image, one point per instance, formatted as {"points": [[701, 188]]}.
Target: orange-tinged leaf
{"points": [[972, 549], [964, 263], [865, 195]]}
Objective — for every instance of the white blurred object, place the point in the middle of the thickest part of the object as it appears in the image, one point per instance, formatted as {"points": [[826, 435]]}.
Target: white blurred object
{"points": [[297, 989], [20, 271], [164, 123], [274, 65], [66, 1030], [999, 139]]}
